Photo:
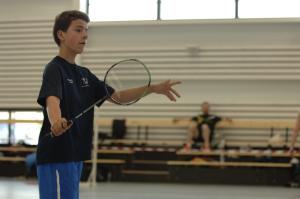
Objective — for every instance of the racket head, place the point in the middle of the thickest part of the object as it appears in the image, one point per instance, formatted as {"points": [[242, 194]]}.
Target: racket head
{"points": [[127, 74]]}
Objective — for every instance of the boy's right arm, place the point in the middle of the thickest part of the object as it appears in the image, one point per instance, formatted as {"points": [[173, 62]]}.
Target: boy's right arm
{"points": [[58, 124]]}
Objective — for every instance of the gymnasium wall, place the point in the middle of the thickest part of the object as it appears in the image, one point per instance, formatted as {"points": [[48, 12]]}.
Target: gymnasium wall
{"points": [[16, 10], [246, 68]]}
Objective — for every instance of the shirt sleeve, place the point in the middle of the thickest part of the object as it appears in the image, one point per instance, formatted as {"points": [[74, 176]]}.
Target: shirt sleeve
{"points": [[195, 119], [198, 119], [51, 84], [217, 119], [102, 90]]}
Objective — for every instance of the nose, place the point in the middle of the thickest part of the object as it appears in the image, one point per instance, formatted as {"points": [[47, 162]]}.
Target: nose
{"points": [[85, 34]]}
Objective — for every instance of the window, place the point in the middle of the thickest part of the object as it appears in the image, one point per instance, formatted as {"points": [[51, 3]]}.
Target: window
{"points": [[122, 10], [4, 128], [197, 9], [83, 5], [269, 8], [26, 133], [4, 115], [126, 10]]}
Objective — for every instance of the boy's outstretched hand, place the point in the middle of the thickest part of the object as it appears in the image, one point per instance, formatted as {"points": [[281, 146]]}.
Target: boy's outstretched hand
{"points": [[166, 88]]}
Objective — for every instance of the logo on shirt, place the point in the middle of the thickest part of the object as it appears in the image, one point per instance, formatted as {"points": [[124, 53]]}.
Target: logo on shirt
{"points": [[84, 82], [70, 81]]}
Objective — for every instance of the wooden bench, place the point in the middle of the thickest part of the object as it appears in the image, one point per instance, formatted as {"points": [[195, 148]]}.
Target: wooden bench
{"points": [[237, 153], [235, 123], [267, 124], [115, 151], [146, 142], [230, 164], [12, 159], [17, 149], [107, 161], [208, 172], [14, 151]]}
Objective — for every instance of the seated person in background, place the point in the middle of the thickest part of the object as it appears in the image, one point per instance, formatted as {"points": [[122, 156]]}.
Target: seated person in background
{"points": [[295, 134], [201, 128], [30, 164]]}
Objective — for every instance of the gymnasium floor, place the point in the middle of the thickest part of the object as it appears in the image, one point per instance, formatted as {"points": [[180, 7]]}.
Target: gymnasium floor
{"points": [[18, 188]]}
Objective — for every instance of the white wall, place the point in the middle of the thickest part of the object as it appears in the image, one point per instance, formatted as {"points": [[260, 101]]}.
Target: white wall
{"points": [[34, 9], [198, 33]]}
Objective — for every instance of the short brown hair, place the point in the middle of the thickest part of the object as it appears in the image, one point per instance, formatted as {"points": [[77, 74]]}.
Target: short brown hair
{"points": [[64, 19]]}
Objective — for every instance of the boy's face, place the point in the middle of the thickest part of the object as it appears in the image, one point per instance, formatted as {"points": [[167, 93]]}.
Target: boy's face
{"points": [[75, 38]]}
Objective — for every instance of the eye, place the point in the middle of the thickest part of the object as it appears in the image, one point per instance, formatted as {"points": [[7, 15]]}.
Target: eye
{"points": [[78, 30]]}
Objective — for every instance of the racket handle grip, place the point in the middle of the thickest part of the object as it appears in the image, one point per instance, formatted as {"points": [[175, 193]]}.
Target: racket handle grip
{"points": [[51, 134], [69, 122]]}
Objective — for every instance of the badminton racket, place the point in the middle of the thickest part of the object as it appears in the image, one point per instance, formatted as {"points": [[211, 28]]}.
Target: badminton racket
{"points": [[123, 75]]}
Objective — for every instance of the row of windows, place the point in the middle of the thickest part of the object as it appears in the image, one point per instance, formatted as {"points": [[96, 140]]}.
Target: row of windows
{"points": [[126, 10], [20, 133]]}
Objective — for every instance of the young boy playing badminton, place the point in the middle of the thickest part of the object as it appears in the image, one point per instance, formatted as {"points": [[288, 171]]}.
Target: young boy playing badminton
{"points": [[66, 90]]}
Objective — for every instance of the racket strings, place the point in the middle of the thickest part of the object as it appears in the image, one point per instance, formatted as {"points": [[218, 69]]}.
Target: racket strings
{"points": [[128, 74]]}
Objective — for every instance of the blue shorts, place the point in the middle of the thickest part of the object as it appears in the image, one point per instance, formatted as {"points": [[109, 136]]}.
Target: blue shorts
{"points": [[59, 180]]}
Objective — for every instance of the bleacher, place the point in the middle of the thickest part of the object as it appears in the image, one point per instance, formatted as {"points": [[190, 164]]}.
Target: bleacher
{"points": [[160, 158], [253, 133]]}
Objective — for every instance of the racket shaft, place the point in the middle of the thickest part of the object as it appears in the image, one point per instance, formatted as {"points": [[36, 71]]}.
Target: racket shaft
{"points": [[87, 109]]}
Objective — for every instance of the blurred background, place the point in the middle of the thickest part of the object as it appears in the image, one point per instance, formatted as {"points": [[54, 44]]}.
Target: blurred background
{"points": [[242, 56]]}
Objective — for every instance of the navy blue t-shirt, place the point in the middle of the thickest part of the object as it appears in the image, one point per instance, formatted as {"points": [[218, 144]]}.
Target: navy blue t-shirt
{"points": [[77, 88]]}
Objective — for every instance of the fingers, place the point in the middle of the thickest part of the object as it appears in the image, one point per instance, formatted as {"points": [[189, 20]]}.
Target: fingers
{"points": [[171, 91], [175, 92], [171, 83], [174, 82], [170, 96], [60, 126], [66, 124], [166, 89], [70, 123]]}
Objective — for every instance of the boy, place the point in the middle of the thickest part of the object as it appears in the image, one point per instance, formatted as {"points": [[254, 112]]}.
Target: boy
{"points": [[60, 157]]}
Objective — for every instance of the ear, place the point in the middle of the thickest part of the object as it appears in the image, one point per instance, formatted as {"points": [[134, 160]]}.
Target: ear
{"points": [[60, 35]]}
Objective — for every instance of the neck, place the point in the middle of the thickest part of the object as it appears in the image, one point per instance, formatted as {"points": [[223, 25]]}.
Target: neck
{"points": [[70, 57]]}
